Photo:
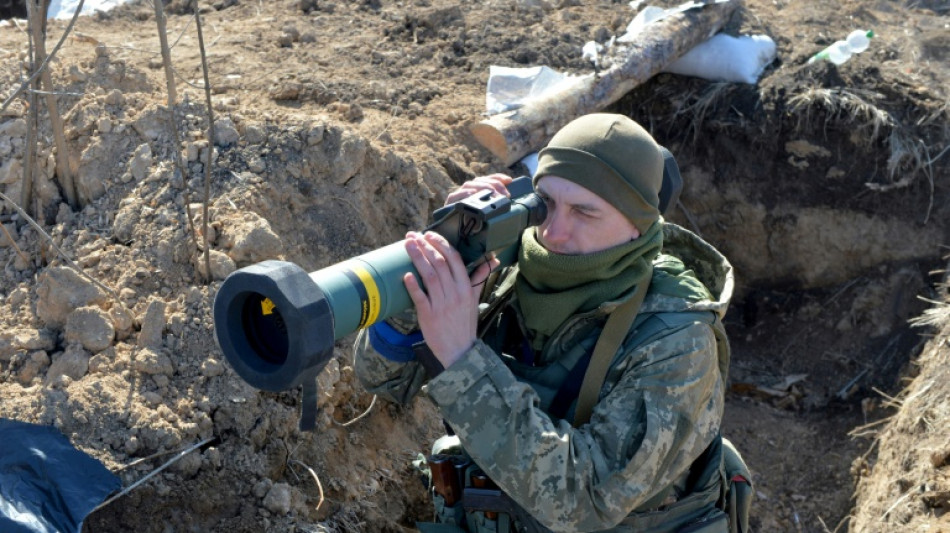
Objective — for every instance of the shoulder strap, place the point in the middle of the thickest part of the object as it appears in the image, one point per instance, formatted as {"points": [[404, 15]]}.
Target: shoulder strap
{"points": [[615, 330]]}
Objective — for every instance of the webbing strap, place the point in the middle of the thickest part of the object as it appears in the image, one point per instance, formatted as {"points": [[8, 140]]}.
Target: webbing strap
{"points": [[615, 330]]}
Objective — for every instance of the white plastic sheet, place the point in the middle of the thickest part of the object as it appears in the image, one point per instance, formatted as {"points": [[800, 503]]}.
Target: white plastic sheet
{"points": [[510, 87], [64, 9]]}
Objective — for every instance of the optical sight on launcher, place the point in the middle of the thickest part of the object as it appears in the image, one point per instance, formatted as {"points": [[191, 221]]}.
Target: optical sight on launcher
{"points": [[277, 324]]}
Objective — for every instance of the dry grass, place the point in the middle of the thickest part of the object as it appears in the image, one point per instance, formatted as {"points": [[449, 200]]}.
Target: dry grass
{"points": [[697, 105], [841, 106], [909, 155]]}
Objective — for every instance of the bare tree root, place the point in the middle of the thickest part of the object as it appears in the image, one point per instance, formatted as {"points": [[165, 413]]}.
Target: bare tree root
{"points": [[316, 479]]}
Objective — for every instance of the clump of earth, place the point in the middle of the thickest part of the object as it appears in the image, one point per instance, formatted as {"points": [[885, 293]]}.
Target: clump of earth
{"points": [[339, 126]]}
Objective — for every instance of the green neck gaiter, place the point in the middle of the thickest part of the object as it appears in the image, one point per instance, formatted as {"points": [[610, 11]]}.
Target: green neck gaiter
{"points": [[553, 287]]}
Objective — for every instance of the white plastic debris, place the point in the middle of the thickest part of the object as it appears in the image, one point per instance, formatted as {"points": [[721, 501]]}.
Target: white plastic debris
{"points": [[651, 14], [510, 87], [727, 58]]}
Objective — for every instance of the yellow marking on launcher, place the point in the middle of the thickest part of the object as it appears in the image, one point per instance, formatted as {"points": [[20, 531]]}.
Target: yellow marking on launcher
{"points": [[372, 293], [267, 306]]}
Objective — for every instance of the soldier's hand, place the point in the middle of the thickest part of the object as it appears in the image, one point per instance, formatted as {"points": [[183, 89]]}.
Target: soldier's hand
{"points": [[448, 307], [497, 183]]}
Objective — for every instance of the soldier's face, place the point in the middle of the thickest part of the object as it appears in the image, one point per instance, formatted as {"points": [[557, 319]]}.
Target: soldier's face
{"points": [[579, 221]]}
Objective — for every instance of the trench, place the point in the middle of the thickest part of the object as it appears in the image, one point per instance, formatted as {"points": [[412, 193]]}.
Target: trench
{"points": [[818, 323]]}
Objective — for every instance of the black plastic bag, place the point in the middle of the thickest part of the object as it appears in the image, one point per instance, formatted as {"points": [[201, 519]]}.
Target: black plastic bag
{"points": [[47, 485]]}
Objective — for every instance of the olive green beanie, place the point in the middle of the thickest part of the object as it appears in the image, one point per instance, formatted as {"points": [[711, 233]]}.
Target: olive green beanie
{"points": [[613, 157]]}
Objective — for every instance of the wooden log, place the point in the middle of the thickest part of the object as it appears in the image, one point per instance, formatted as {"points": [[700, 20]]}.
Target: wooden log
{"points": [[513, 134]]}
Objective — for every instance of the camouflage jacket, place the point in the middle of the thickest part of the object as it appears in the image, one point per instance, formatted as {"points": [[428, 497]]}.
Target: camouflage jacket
{"points": [[660, 406]]}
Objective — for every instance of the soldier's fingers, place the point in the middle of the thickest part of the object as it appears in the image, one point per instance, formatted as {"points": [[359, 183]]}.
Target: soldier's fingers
{"points": [[423, 261], [497, 183], [416, 294], [443, 279], [453, 260]]}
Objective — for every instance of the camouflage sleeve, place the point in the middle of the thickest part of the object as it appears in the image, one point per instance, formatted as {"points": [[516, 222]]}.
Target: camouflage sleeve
{"points": [[395, 381], [664, 409]]}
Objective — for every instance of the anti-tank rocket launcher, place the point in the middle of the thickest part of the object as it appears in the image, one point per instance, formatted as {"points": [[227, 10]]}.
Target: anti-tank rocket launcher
{"points": [[277, 324]]}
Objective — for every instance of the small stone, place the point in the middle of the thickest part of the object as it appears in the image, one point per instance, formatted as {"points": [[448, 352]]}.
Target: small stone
{"points": [[221, 265], [256, 165], [91, 327], [152, 362], [286, 91], [278, 499], [73, 363], [62, 289], [115, 98], [33, 366], [191, 151], [153, 324], [261, 487], [212, 368], [132, 445], [17, 297], [153, 399], [141, 161], [225, 132], [254, 134]]}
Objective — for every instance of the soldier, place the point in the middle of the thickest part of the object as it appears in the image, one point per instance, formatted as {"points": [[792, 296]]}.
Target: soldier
{"points": [[586, 393]]}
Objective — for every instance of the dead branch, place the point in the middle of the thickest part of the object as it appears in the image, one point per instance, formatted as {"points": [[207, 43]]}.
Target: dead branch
{"points": [[204, 71], [63, 172], [513, 134], [154, 472], [172, 99]]}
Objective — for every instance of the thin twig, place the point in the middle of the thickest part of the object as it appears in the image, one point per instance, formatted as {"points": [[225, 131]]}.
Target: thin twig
{"points": [[13, 242], [166, 59], [154, 472], [59, 250], [172, 98], [56, 93], [46, 61], [204, 71], [32, 123], [898, 502], [315, 478], [366, 412]]}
